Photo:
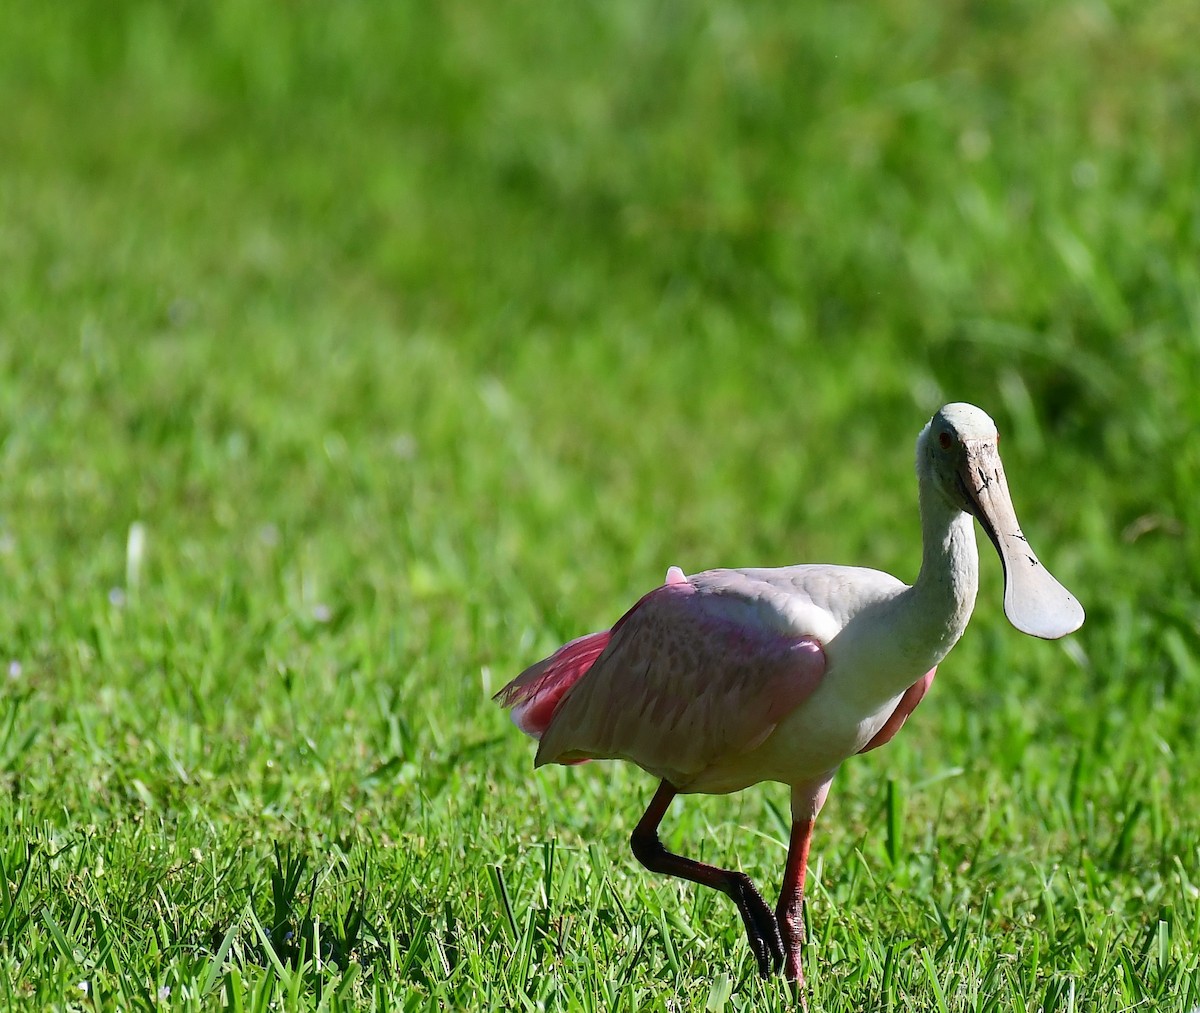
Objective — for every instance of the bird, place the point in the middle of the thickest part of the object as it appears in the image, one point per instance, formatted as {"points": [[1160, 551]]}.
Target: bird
{"points": [[726, 678]]}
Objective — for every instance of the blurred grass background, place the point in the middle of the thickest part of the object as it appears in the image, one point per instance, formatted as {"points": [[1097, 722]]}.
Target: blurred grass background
{"points": [[419, 337]]}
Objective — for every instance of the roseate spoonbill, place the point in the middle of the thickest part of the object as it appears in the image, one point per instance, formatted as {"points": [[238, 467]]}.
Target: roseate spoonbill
{"points": [[720, 680]]}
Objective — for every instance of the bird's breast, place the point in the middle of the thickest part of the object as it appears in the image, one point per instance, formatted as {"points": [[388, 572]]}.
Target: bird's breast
{"points": [[810, 742]]}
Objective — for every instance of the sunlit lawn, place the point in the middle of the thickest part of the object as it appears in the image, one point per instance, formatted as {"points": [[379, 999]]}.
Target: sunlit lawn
{"points": [[353, 356]]}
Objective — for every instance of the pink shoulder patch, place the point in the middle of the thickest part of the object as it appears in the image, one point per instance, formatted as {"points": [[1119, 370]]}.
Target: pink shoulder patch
{"points": [[908, 703], [535, 694]]}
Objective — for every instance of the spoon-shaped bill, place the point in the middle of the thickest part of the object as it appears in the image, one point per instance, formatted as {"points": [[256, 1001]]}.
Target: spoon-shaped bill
{"points": [[1034, 601]]}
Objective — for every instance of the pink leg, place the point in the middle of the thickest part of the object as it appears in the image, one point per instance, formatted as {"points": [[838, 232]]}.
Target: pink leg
{"points": [[762, 928], [791, 900]]}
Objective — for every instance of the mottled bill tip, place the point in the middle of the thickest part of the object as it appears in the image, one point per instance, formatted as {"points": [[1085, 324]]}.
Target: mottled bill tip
{"points": [[1036, 603]]}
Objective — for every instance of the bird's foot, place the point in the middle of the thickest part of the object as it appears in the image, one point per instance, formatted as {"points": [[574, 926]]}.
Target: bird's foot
{"points": [[796, 987], [791, 932], [762, 928]]}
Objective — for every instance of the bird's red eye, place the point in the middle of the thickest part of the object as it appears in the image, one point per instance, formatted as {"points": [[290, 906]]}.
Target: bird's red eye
{"points": [[946, 440]]}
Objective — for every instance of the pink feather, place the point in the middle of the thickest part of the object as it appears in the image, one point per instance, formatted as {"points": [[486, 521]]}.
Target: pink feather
{"points": [[535, 694]]}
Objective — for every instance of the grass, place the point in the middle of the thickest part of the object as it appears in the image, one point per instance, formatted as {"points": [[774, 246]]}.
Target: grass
{"points": [[354, 355]]}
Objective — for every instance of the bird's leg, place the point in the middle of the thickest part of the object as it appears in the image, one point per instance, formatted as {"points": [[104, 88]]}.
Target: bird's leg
{"points": [[762, 928], [789, 911]]}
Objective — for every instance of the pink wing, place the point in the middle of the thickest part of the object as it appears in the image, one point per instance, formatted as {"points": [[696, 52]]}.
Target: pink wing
{"points": [[688, 678], [534, 695]]}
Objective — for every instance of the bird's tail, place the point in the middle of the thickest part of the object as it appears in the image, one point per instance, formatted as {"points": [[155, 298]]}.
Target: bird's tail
{"points": [[534, 695]]}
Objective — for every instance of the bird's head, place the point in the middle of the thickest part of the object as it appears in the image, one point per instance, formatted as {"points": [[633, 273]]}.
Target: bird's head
{"points": [[958, 455]]}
